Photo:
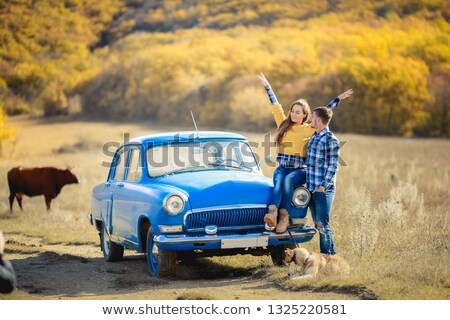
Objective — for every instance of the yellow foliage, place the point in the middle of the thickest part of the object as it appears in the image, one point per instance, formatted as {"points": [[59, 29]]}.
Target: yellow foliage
{"points": [[250, 109], [44, 40], [6, 133], [155, 17], [173, 69], [389, 51]]}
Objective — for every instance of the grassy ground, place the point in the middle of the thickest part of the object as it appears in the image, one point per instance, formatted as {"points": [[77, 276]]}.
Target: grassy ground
{"points": [[390, 217]]}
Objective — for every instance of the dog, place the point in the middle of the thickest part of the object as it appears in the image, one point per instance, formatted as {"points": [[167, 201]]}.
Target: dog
{"points": [[305, 264]]}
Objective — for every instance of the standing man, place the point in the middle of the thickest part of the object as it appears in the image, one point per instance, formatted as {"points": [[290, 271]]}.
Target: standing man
{"points": [[7, 274], [322, 164]]}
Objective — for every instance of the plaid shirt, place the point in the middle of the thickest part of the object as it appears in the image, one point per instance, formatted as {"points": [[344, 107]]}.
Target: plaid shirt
{"points": [[290, 161], [334, 103], [272, 97], [322, 161]]}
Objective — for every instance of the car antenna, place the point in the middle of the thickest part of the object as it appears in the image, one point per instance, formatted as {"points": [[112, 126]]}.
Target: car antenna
{"points": [[195, 124]]}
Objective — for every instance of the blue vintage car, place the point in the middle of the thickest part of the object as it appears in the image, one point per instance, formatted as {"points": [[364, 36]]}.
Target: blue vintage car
{"points": [[173, 195]]}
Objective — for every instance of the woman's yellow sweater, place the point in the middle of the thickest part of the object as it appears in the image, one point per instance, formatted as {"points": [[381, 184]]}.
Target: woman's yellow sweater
{"points": [[296, 139]]}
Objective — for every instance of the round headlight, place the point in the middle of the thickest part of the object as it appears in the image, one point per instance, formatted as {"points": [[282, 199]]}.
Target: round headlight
{"points": [[301, 197], [173, 204]]}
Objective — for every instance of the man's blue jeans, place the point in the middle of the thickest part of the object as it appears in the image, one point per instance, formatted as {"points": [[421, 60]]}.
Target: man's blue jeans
{"points": [[284, 181], [320, 206]]}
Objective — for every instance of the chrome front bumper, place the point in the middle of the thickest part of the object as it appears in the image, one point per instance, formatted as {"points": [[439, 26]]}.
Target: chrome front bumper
{"points": [[250, 240]]}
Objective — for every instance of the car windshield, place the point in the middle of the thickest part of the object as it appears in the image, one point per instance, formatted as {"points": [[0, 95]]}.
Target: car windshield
{"points": [[212, 155]]}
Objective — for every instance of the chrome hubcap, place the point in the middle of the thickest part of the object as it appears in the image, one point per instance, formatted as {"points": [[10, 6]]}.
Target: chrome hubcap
{"points": [[154, 253]]}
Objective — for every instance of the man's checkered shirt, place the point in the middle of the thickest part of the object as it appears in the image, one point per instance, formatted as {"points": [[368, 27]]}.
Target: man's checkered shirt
{"points": [[322, 160]]}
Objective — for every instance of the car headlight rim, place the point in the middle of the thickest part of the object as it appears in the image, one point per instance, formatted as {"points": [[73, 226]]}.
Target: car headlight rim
{"points": [[173, 204], [301, 197]]}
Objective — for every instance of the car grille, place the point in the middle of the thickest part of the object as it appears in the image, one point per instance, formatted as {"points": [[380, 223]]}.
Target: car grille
{"points": [[226, 219]]}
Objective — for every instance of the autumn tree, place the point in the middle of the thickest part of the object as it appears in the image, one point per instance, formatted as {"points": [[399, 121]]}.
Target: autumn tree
{"points": [[6, 133]]}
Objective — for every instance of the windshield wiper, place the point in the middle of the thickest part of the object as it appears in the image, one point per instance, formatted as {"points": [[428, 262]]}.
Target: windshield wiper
{"points": [[209, 166], [240, 167], [185, 169], [225, 165]]}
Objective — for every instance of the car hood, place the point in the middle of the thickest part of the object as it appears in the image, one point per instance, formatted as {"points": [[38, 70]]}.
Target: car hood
{"points": [[221, 188]]}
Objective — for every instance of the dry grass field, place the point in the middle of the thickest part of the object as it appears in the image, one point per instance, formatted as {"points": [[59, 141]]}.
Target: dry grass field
{"points": [[390, 218]]}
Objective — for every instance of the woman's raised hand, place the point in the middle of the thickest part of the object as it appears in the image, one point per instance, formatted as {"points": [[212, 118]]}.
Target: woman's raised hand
{"points": [[346, 94], [263, 79]]}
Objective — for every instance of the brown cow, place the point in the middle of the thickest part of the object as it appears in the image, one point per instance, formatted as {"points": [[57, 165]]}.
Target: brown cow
{"points": [[32, 182]]}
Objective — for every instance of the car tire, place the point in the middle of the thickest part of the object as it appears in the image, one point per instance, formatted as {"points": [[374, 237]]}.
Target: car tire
{"points": [[277, 253], [161, 263], [112, 252]]}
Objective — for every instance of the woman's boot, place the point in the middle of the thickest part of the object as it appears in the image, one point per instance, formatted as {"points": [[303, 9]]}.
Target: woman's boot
{"points": [[271, 217], [284, 221]]}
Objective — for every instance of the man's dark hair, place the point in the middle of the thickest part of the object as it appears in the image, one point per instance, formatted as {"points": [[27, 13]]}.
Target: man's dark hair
{"points": [[324, 114]]}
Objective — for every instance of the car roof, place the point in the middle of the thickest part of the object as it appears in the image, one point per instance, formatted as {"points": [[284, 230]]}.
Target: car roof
{"points": [[185, 136]]}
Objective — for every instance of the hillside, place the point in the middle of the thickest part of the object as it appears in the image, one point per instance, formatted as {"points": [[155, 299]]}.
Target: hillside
{"points": [[45, 50], [165, 16], [158, 60]]}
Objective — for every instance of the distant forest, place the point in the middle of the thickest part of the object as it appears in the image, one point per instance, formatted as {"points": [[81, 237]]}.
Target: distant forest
{"points": [[160, 59]]}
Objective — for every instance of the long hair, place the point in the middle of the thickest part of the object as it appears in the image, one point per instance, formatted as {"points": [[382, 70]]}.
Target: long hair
{"points": [[287, 123]]}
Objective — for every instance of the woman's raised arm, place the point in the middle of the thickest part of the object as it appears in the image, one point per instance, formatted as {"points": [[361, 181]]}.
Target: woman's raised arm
{"points": [[270, 93], [277, 110]]}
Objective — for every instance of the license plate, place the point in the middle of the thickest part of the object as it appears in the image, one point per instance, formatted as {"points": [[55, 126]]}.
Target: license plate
{"points": [[244, 242]]}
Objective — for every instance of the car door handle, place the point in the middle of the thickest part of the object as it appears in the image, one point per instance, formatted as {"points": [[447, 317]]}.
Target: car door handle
{"points": [[119, 184], [107, 184]]}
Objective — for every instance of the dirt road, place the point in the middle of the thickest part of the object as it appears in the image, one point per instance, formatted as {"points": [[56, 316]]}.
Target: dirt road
{"points": [[77, 271]]}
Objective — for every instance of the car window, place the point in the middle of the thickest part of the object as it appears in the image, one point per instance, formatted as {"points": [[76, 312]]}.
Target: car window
{"points": [[134, 170], [211, 155], [119, 165]]}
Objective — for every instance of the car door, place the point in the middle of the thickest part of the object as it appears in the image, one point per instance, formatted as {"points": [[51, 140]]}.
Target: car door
{"points": [[115, 180], [129, 198]]}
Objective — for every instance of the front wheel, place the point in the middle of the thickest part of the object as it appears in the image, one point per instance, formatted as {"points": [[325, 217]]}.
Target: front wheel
{"points": [[161, 263], [112, 252]]}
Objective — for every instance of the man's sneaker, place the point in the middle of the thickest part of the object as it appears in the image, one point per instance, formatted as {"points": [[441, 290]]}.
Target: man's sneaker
{"points": [[271, 217], [284, 221]]}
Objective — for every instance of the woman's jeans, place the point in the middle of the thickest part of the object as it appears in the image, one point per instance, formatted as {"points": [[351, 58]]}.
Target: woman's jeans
{"points": [[320, 206], [284, 181]]}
